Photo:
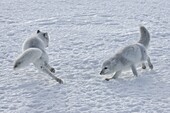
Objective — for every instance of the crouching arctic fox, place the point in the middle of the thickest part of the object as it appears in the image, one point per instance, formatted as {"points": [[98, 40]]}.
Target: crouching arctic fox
{"points": [[128, 57], [34, 52]]}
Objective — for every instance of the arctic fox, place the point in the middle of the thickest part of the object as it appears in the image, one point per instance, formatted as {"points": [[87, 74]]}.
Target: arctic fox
{"points": [[34, 52], [128, 57]]}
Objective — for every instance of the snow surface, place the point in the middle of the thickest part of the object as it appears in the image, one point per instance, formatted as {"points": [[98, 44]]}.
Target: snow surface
{"points": [[83, 34]]}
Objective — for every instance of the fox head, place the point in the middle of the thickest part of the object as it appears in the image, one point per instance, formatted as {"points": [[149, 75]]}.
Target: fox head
{"points": [[44, 37], [109, 66]]}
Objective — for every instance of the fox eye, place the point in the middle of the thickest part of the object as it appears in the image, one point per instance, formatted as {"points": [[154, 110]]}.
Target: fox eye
{"points": [[105, 68], [18, 63], [38, 31], [44, 35]]}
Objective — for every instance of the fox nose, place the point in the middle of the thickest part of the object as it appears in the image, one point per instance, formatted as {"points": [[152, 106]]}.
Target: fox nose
{"points": [[101, 73], [15, 66]]}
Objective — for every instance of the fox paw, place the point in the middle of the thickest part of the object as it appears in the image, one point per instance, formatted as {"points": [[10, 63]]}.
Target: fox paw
{"points": [[143, 67], [52, 70], [151, 66], [59, 80]]}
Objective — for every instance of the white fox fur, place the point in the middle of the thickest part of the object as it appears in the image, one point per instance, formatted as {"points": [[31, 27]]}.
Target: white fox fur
{"points": [[34, 52], [145, 37], [28, 56], [128, 57]]}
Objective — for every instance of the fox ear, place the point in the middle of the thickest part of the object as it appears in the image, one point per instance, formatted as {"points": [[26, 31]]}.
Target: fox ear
{"points": [[38, 31]]}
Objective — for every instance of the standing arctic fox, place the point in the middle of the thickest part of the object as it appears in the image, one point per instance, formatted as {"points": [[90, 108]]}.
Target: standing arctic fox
{"points": [[128, 57], [34, 52]]}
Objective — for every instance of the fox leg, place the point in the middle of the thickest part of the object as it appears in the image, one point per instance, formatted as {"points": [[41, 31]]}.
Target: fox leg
{"points": [[41, 65], [49, 67], [134, 70], [45, 70], [115, 75], [149, 63], [143, 66]]}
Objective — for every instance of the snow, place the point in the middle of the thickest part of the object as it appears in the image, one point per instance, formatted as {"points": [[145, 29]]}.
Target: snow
{"points": [[84, 33]]}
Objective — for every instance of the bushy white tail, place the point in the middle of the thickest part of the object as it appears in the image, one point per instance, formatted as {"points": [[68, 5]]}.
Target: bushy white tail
{"points": [[28, 56], [145, 37]]}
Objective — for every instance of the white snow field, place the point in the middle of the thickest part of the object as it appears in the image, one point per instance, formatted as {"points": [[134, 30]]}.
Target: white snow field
{"points": [[84, 33]]}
